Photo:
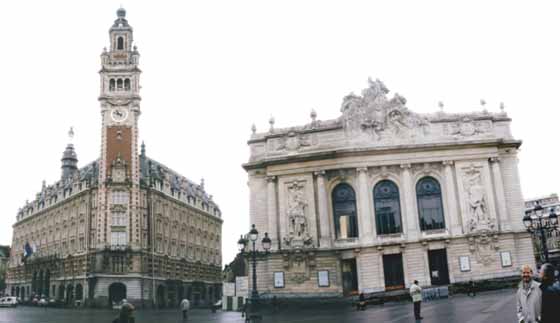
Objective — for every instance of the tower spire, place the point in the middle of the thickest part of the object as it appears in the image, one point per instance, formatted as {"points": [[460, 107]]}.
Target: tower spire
{"points": [[69, 158]]}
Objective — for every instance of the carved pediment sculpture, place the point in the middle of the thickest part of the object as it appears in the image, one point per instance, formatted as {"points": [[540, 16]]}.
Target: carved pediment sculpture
{"points": [[484, 244], [373, 115], [293, 141]]}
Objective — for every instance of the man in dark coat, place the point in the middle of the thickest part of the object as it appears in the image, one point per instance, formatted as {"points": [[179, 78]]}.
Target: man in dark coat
{"points": [[550, 308]]}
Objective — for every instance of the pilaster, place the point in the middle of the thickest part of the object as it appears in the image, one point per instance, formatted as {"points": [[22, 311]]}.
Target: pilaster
{"points": [[322, 207], [451, 194], [500, 195], [272, 213], [412, 228], [365, 217]]}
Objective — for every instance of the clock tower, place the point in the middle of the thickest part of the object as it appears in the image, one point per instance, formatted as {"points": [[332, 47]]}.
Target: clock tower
{"points": [[117, 221]]}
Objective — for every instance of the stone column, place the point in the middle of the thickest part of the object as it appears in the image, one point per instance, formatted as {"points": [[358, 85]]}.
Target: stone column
{"points": [[271, 212], [453, 217], [500, 195], [322, 208], [365, 217], [411, 221]]}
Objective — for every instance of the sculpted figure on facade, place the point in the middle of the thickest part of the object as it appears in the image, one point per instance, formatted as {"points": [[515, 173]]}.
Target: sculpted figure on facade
{"points": [[298, 230], [479, 217]]}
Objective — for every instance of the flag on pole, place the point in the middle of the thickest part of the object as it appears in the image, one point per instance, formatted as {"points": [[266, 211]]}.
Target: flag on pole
{"points": [[27, 251]]}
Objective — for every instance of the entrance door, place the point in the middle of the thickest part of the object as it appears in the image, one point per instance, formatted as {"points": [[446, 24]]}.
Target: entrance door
{"points": [[439, 272], [117, 292], [393, 271], [349, 277]]}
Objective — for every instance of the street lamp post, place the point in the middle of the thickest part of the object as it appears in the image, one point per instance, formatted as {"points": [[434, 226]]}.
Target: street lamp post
{"points": [[539, 225], [252, 237]]}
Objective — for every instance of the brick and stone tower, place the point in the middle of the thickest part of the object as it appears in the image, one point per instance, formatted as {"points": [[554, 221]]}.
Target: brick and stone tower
{"points": [[117, 223]]}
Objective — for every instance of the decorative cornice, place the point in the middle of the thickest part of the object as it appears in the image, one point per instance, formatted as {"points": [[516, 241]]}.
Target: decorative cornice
{"points": [[448, 163], [362, 170], [320, 173]]}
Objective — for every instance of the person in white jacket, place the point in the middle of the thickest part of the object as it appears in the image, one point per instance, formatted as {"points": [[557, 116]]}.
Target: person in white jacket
{"points": [[185, 307], [416, 294], [528, 297]]}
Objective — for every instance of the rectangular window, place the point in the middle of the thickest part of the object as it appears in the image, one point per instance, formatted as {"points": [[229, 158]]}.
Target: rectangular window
{"points": [[119, 218], [119, 197], [118, 238]]}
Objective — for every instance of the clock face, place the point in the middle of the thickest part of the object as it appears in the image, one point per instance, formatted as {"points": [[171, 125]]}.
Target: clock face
{"points": [[119, 115]]}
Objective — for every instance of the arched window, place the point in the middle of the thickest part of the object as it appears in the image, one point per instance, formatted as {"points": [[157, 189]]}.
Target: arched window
{"points": [[120, 43], [344, 210], [430, 207], [112, 85], [127, 84], [119, 84], [387, 207]]}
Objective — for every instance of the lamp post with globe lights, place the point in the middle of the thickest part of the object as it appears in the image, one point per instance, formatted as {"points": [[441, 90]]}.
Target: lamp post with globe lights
{"points": [[539, 225], [251, 239]]}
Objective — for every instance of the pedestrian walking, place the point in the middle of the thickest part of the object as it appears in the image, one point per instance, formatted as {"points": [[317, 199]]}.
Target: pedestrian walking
{"points": [[125, 313], [528, 297], [185, 307], [550, 301], [472, 289], [416, 294], [361, 305]]}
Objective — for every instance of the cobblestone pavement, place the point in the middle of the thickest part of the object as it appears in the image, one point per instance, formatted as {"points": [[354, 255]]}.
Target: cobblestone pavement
{"points": [[495, 307]]}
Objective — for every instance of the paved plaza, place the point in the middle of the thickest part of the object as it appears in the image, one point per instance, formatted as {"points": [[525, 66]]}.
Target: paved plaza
{"points": [[495, 307]]}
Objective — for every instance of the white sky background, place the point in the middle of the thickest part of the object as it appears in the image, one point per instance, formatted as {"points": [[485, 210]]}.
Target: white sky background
{"points": [[212, 68]]}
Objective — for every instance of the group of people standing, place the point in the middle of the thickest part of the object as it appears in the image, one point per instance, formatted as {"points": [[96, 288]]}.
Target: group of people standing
{"points": [[538, 302]]}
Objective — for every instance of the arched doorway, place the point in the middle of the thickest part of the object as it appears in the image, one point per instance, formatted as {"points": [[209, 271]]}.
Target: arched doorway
{"points": [[180, 293], [69, 294], [39, 286], [48, 283], [60, 293], [17, 291], [34, 283], [13, 291], [117, 292], [79, 292], [23, 293], [161, 296]]}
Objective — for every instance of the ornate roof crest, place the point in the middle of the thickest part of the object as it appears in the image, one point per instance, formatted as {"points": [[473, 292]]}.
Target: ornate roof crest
{"points": [[373, 115]]}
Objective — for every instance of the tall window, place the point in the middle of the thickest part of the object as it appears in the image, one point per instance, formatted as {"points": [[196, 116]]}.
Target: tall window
{"points": [[118, 238], [344, 210], [119, 218], [120, 43], [430, 207], [119, 197], [387, 207]]}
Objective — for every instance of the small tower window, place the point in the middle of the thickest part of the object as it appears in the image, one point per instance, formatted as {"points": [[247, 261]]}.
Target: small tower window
{"points": [[112, 85], [120, 43], [127, 84], [119, 84]]}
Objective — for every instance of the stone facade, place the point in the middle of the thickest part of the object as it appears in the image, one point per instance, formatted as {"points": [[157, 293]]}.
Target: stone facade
{"points": [[125, 225], [383, 196]]}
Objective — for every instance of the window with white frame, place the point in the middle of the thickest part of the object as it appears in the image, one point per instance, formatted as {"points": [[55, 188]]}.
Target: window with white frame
{"points": [[119, 197], [119, 218], [118, 238]]}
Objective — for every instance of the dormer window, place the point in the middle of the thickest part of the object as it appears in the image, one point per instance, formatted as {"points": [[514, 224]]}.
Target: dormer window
{"points": [[120, 43]]}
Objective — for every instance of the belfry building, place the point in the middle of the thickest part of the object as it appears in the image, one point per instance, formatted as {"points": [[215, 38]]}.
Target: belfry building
{"points": [[382, 196], [123, 226]]}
